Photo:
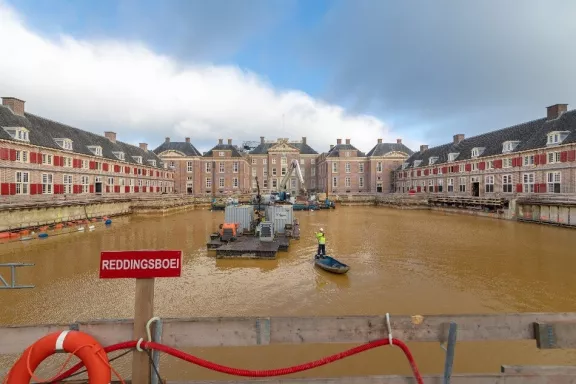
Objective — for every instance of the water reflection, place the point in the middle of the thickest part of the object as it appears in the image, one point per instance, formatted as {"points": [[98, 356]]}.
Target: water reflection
{"points": [[235, 264], [327, 280]]}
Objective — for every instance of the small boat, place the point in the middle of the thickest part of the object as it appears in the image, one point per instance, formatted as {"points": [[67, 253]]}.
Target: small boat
{"points": [[330, 264]]}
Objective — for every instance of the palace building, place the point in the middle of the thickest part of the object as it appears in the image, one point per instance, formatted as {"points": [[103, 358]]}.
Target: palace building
{"points": [[41, 158], [536, 157]]}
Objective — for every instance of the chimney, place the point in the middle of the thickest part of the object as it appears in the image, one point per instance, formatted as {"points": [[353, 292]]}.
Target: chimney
{"points": [[348, 141], [220, 141], [331, 146], [556, 110], [303, 139], [144, 146], [229, 141], [261, 139], [167, 140], [398, 141], [379, 141], [16, 105], [423, 147], [458, 138], [187, 140], [338, 141], [110, 136]]}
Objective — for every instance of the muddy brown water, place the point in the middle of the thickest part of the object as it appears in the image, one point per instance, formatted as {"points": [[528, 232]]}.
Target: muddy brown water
{"points": [[402, 262]]}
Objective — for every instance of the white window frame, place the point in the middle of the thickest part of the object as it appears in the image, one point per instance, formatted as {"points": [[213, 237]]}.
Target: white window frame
{"points": [[47, 183], [553, 178], [22, 183], [507, 183], [528, 182], [68, 181], [489, 184]]}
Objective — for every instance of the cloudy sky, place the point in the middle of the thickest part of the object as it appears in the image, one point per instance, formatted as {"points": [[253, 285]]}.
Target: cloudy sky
{"points": [[362, 69]]}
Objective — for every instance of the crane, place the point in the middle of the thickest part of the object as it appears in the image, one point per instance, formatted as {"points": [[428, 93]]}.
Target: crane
{"points": [[294, 166]]}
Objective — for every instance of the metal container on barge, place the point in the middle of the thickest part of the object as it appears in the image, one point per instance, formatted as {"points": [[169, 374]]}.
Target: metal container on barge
{"points": [[241, 214], [280, 215]]}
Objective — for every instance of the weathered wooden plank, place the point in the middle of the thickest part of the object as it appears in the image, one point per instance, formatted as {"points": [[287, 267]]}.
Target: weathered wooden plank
{"points": [[538, 370], [248, 331], [428, 379], [554, 335]]}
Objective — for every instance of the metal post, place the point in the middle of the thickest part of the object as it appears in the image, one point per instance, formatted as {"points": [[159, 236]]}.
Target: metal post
{"points": [[451, 346], [156, 354], [12, 285]]}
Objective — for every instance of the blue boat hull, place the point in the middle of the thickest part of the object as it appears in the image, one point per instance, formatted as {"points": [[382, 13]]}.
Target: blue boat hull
{"points": [[330, 264]]}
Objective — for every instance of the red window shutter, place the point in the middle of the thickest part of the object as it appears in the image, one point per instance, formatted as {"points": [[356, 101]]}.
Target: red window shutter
{"points": [[157, 173], [518, 161], [135, 171], [4, 189], [4, 154], [127, 170], [56, 189], [117, 188], [116, 168], [518, 187], [61, 188], [92, 165], [418, 189], [444, 170], [127, 189], [514, 161], [105, 167], [435, 171], [91, 188], [498, 163], [418, 173], [536, 159], [543, 158], [33, 189], [39, 188], [426, 172], [39, 158], [12, 155], [481, 165], [12, 188], [468, 167], [144, 189], [543, 188], [571, 155], [136, 189], [32, 157], [564, 156], [435, 188], [455, 168]]}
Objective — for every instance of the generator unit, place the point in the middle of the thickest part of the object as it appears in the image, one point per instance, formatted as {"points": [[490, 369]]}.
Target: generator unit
{"points": [[266, 231]]}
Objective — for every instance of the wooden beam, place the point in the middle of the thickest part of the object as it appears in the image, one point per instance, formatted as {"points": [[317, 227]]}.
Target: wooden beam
{"points": [[428, 379], [143, 311], [249, 331]]}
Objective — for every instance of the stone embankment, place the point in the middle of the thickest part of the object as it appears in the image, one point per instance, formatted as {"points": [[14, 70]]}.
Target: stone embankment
{"points": [[402, 202]]}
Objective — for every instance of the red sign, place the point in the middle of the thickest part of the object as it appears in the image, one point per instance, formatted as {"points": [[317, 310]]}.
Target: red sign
{"points": [[140, 264]]}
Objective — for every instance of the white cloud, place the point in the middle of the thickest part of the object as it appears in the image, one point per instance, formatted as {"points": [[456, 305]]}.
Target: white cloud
{"points": [[124, 86]]}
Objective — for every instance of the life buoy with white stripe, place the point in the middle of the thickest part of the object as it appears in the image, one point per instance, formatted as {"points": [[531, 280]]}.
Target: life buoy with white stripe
{"points": [[82, 345]]}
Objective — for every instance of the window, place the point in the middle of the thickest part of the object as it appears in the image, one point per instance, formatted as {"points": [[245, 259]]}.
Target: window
{"points": [[432, 160], [293, 183], [490, 164], [347, 182], [553, 182], [152, 162], [313, 183], [528, 183], [264, 161], [22, 183], [361, 182], [22, 156], [507, 163], [347, 154], [274, 160], [119, 155], [489, 182], [556, 137], [84, 181], [312, 161], [235, 182], [265, 183], [254, 161], [450, 185], [95, 149], [417, 163], [476, 152], [20, 133], [283, 172], [189, 166], [68, 162], [302, 162], [509, 146], [110, 181], [221, 167], [461, 168], [474, 166], [274, 172], [430, 185], [254, 173], [347, 167], [265, 173], [274, 183], [313, 171], [221, 154], [235, 167], [507, 183], [529, 160], [440, 170], [47, 184], [334, 182], [334, 167], [440, 183], [46, 159], [208, 167], [361, 168], [221, 183], [208, 182], [553, 157], [68, 184], [462, 184], [452, 156], [379, 166]]}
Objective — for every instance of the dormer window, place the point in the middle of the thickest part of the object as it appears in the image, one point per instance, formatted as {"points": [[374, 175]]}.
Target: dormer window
{"points": [[453, 156], [152, 162], [18, 133], [432, 160], [417, 163], [556, 137], [137, 159], [509, 146], [477, 151], [95, 149], [119, 155], [64, 144]]}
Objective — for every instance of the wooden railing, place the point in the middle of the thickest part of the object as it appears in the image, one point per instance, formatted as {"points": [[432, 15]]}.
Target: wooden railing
{"points": [[548, 330]]}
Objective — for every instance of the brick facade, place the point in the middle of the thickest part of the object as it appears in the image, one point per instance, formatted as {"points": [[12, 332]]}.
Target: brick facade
{"points": [[536, 157]]}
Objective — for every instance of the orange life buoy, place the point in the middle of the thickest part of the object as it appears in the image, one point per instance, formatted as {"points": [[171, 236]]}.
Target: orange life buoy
{"points": [[82, 345]]}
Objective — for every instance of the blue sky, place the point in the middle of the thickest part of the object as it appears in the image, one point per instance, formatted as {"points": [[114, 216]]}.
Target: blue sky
{"points": [[424, 70]]}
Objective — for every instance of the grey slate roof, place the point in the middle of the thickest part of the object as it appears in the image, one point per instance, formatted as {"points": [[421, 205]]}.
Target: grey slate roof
{"points": [[335, 151], [44, 131], [382, 149], [262, 149], [532, 135], [224, 147], [180, 146]]}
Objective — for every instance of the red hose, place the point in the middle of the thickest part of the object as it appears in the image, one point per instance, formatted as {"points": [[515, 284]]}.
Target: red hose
{"points": [[258, 373]]}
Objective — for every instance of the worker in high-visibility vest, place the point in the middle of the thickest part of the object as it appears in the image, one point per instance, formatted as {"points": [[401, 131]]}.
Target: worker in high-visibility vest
{"points": [[321, 236]]}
